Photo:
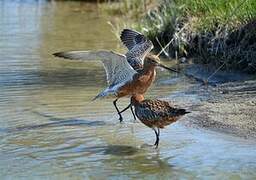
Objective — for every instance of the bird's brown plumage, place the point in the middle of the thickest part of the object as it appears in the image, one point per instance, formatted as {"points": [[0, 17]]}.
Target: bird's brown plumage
{"points": [[156, 113], [138, 49], [141, 80]]}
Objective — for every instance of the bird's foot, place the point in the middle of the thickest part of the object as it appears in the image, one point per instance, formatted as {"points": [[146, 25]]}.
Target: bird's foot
{"points": [[121, 119], [156, 146], [156, 143]]}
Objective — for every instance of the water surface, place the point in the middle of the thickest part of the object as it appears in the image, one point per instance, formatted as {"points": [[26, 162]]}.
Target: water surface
{"points": [[50, 128]]}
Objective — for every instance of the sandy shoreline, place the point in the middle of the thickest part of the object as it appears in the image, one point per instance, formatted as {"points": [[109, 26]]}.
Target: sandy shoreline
{"points": [[227, 107]]}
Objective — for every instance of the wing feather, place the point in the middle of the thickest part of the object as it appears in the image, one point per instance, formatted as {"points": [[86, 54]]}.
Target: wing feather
{"points": [[138, 45], [116, 66], [130, 38]]}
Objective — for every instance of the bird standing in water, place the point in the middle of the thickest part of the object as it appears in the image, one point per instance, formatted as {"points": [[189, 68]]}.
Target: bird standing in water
{"points": [[138, 47], [126, 74], [156, 114], [122, 79]]}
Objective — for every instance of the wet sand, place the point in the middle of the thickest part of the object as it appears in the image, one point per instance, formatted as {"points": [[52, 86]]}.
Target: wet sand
{"points": [[228, 107]]}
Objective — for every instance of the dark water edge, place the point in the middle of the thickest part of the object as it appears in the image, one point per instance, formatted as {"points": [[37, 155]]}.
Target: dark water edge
{"points": [[208, 74]]}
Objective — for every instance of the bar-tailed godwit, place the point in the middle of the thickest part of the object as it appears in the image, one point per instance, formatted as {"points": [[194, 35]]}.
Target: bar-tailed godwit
{"points": [[156, 114], [122, 79], [123, 70]]}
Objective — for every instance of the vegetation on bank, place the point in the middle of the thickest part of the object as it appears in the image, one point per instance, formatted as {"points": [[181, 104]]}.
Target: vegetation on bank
{"points": [[130, 9], [218, 33], [213, 32]]}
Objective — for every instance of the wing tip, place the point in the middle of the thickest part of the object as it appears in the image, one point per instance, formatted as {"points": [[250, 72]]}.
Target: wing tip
{"points": [[125, 33], [67, 55], [59, 54], [93, 99], [127, 30]]}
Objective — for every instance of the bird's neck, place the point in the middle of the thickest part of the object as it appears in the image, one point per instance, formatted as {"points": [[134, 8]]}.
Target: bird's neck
{"points": [[148, 69], [136, 99]]}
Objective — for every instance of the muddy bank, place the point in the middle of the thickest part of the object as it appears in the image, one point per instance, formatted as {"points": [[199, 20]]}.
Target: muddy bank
{"points": [[229, 107]]}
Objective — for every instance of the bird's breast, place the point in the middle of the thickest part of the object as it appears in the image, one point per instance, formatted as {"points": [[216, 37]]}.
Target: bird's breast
{"points": [[138, 85]]}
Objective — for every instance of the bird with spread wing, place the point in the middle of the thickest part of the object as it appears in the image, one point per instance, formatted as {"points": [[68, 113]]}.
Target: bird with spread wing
{"points": [[128, 74]]}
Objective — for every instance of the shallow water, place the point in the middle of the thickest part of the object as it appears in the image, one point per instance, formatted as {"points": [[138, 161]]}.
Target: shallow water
{"points": [[49, 128]]}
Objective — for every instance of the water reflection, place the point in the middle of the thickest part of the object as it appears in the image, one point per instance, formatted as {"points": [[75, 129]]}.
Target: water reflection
{"points": [[119, 150], [50, 128]]}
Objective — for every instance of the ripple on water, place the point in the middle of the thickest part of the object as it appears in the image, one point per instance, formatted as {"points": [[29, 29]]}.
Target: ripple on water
{"points": [[50, 128]]}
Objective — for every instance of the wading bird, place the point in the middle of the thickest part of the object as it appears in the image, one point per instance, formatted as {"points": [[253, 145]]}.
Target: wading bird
{"points": [[121, 68], [155, 114], [122, 79]]}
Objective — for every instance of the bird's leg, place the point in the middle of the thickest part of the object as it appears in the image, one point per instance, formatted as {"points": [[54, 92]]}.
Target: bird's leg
{"points": [[158, 130], [129, 106], [157, 136], [125, 108], [120, 116], [133, 113]]}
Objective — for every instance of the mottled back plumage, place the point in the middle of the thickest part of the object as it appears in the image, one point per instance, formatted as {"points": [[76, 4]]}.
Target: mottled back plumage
{"points": [[138, 45], [157, 113]]}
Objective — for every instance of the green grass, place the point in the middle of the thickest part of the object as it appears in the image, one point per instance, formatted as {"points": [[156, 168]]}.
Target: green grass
{"points": [[222, 12], [217, 31], [204, 15]]}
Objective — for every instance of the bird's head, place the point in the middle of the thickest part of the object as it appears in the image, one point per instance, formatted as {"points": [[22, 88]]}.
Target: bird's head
{"points": [[153, 61]]}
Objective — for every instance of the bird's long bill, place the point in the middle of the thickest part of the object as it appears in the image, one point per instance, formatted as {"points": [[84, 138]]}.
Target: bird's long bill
{"points": [[168, 68]]}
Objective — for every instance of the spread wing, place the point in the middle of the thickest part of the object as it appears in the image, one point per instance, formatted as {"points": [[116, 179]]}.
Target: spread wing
{"points": [[138, 45], [131, 38], [116, 66]]}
